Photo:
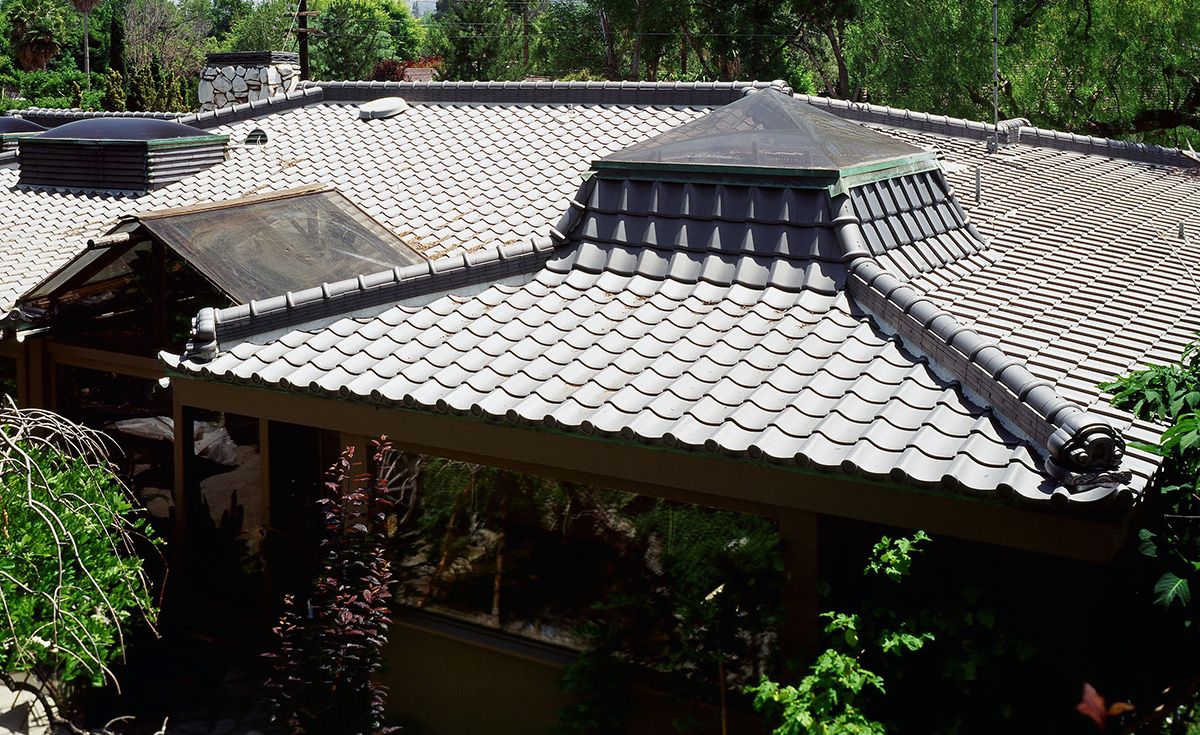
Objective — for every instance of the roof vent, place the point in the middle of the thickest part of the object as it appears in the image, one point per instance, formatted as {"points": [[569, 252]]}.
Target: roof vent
{"points": [[257, 136], [382, 108], [117, 154], [13, 129]]}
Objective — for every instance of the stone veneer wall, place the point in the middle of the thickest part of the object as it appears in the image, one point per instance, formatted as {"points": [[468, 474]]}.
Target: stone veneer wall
{"points": [[235, 78]]}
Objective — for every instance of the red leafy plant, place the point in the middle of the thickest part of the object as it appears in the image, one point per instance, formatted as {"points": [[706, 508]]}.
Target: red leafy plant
{"points": [[1097, 710], [392, 70], [329, 646]]}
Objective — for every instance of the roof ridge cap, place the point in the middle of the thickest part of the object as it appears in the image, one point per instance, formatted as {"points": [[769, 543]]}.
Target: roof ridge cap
{"points": [[1112, 147], [660, 94], [1083, 449], [905, 118], [305, 94], [1016, 130], [211, 326]]}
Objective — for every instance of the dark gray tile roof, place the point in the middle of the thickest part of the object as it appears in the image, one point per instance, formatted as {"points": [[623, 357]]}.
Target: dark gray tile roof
{"points": [[447, 178], [913, 225], [715, 319], [1086, 276]]}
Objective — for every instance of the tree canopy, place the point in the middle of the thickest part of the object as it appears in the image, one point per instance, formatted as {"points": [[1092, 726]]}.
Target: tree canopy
{"points": [[1101, 67]]}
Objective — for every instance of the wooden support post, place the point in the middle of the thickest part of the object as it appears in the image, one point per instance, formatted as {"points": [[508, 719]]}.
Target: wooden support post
{"points": [[186, 497], [158, 295], [37, 367], [264, 511], [798, 532], [22, 396]]}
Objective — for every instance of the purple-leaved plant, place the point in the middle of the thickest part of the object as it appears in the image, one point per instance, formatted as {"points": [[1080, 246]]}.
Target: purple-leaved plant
{"points": [[330, 645]]}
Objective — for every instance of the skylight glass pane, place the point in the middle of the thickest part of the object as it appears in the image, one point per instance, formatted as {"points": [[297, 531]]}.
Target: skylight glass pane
{"points": [[66, 273], [264, 248], [768, 129]]}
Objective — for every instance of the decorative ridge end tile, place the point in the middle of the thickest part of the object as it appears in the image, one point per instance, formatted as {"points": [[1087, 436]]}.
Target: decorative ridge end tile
{"points": [[1083, 450], [202, 347]]}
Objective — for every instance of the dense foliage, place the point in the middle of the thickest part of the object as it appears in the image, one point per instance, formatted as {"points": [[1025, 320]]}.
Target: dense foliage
{"points": [[330, 644], [1170, 395], [1104, 67], [70, 582]]}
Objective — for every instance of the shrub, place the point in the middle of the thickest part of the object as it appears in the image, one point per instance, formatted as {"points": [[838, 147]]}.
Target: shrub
{"points": [[329, 647], [69, 580], [114, 91]]}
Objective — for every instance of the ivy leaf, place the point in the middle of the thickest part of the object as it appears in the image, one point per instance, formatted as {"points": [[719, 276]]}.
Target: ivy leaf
{"points": [[1171, 588], [1147, 547]]}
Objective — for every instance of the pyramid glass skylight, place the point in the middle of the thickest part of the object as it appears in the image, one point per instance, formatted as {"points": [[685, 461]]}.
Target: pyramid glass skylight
{"points": [[768, 130]]}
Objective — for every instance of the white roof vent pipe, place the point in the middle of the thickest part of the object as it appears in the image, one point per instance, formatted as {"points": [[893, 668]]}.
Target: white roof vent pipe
{"points": [[382, 108]]}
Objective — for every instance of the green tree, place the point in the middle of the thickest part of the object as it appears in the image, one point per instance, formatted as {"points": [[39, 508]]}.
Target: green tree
{"points": [[830, 699], [114, 91], [223, 15], [1102, 67], [356, 36], [1111, 68], [35, 31], [477, 40], [407, 35], [565, 40], [1170, 539], [164, 33], [264, 28], [85, 7], [70, 580], [116, 43], [152, 90]]}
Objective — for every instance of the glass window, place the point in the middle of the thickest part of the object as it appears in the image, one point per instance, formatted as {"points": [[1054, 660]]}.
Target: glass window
{"points": [[669, 584], [135, 412], [115, 307], [115, 303], [228, 530]]}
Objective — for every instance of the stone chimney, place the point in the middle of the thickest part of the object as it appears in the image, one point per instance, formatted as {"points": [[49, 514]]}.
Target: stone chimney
{"points": [[234, 78]]}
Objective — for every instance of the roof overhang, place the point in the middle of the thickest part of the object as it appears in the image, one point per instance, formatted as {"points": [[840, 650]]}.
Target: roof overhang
{"points": [[741, 485]]}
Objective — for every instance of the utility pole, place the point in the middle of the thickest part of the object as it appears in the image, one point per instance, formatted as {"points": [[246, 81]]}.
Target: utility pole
{"points": [[994, 141], [303, 31], [303, 26]]}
